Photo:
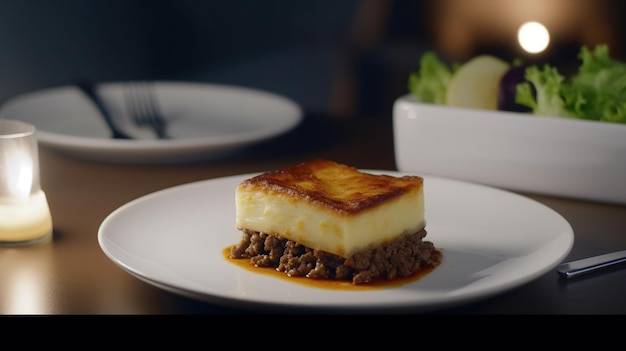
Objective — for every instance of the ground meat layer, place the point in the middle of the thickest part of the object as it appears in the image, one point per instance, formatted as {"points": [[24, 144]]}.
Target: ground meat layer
{"points": [[399, 258]]}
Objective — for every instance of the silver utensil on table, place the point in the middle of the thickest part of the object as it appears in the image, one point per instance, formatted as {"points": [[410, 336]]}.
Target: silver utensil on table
{"points": [[89, 90], [584, 266]]}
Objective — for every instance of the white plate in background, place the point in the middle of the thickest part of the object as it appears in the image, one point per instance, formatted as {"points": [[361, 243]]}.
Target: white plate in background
{"points": [[518, 151], [492, 241], [205, 121]]}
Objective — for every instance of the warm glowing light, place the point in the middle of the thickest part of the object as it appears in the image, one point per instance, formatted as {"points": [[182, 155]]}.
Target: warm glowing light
{"points": [[24, 213], [19, 166], [533, 37]]}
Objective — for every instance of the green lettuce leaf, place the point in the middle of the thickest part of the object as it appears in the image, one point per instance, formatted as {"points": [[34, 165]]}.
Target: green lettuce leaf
{"points": [[596, 92], [548, 83], [430, 82]]}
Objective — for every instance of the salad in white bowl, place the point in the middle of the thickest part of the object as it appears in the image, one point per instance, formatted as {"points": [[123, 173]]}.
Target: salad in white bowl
{"points": [[482, 121]]}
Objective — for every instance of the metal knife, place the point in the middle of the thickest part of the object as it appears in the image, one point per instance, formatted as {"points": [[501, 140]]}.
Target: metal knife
{"points": [[587, 265], [90, 91]]}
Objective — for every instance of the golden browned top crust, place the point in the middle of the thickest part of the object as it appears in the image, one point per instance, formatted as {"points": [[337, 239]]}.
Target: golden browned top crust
{"points": [[334, 186]]}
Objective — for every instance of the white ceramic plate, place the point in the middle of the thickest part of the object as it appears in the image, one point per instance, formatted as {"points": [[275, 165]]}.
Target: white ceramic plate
{"points": [[205, 121], [517, 151], [492, 241]]}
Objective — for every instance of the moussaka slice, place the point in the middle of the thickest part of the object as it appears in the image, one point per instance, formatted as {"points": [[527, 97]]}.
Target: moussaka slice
{"points": [[326, 220]]}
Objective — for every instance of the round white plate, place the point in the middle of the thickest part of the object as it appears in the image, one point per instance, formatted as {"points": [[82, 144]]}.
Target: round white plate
{"points": [[205, 121], [492, 241]]}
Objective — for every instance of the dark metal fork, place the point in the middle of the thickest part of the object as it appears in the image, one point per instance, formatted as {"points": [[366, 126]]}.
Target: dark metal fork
{"points": [[143, 107]]}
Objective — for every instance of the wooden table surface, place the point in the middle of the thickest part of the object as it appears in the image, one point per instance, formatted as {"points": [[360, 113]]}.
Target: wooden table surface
{"points": [[71, 275]]}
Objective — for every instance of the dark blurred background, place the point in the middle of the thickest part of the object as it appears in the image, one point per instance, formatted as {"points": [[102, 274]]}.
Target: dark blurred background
{"points": [[340, 58]]}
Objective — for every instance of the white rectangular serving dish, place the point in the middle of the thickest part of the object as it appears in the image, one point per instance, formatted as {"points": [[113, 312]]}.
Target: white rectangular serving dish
{"points": [[516, 151]]}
